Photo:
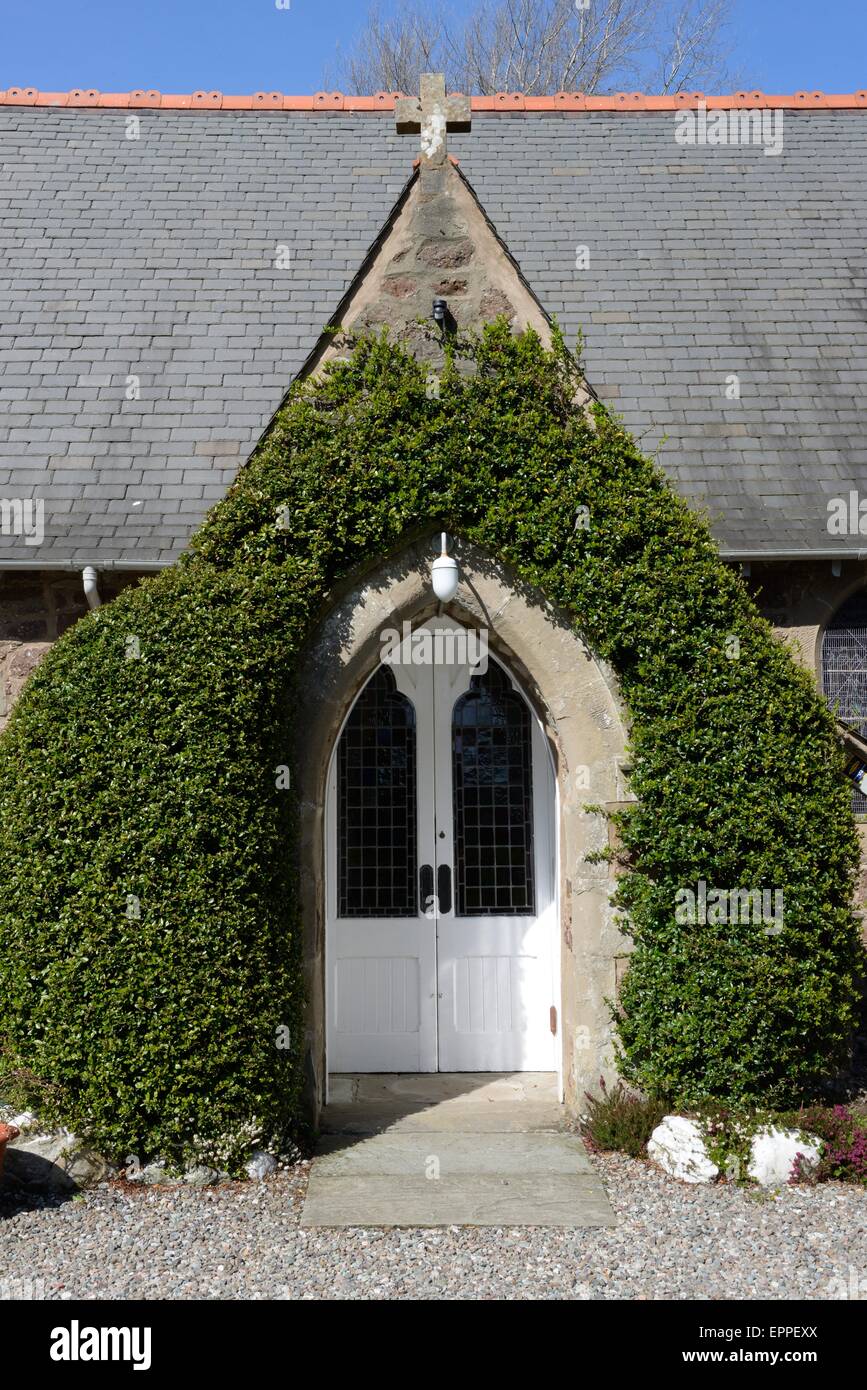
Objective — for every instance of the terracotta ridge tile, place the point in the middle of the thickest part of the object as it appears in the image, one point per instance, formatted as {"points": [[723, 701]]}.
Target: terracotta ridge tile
{"points": [[384, 101]]}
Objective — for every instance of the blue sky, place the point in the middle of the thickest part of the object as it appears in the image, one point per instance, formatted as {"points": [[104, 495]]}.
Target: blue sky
{"points": [[252, 45]]}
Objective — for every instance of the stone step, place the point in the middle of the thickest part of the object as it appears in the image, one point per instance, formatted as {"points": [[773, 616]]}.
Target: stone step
{"points": [[451, 1150], [556, 1200], [459, 1115], [430, 1088], [480, 1155]]}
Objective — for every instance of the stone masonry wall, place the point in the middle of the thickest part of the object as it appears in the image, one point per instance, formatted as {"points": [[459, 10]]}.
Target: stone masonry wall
{"points": [[799, 598], [440, 246], [36, 607]]}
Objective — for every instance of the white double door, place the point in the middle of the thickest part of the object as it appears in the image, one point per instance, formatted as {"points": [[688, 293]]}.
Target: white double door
{"points": [[440, 922]]}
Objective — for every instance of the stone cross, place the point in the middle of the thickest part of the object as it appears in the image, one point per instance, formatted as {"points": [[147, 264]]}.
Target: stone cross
{"points": [[433, 115]]}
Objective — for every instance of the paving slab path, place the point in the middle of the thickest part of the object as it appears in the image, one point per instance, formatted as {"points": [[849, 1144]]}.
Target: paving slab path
{"points": [[451, 1150]]}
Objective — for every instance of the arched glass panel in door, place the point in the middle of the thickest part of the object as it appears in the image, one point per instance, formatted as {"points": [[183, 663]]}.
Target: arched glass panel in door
{"points": [[492, 767], [844, 670], [376, 805]]}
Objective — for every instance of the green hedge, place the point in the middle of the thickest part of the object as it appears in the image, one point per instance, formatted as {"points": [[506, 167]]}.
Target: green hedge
{"points": [[155, 776]]}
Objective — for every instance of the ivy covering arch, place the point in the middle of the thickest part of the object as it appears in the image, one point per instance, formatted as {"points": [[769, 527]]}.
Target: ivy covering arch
{"points": [[173, 1027]]}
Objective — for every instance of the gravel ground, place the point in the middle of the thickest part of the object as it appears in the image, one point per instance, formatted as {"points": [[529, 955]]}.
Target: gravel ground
{"points": [[243, 1241]]}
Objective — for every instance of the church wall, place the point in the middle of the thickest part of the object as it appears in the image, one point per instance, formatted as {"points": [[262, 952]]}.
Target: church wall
{"points": [[36, 607], [799, 598], [439, 246]]}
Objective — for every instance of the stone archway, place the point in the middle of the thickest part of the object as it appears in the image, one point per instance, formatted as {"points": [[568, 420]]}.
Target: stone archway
{"points": [[575, 697]]}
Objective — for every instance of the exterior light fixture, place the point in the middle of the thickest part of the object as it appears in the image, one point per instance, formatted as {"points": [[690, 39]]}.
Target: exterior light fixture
{"points": [[440, 309], [445, 574]]}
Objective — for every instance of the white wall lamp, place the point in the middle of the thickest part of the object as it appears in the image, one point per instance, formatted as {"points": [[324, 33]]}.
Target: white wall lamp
{"points": [[445, 573]]}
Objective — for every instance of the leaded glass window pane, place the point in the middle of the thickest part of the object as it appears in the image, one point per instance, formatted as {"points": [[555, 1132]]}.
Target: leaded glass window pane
{"points": [[844, 670], [492, 778], [377, 870]]}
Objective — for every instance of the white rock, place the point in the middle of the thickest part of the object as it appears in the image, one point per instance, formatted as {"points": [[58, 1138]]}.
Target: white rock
{"points": [[87, 1168], [38, 1161], [261, 1165], [200, 1176], [154, 1174], [678, 1146], [773, 1152], [26, 1120], [151, 1175], [56, 1160]]}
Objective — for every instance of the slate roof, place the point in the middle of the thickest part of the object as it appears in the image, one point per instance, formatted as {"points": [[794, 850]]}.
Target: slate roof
{"points": [[155, 258]]}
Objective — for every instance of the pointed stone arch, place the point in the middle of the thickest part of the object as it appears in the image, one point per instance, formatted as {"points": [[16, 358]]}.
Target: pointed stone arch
{"points": [[576, 699]]}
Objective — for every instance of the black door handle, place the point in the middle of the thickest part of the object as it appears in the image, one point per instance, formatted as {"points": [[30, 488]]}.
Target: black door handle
{"points": [[444, 888], [425, 885]]}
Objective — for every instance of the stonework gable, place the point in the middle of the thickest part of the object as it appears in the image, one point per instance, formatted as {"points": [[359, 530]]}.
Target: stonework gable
{"points": [[439, 244]]}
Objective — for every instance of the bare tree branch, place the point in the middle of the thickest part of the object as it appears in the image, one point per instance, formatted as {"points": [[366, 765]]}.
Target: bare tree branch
{"points": [[542, 46], [390, 53]]}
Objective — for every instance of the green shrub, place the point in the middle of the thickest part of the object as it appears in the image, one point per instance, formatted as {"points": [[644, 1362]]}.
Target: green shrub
{"points": [[153, 778], [619, 1121]]}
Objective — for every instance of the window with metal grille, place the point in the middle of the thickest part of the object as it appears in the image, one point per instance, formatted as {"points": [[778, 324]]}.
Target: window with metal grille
{"points": [[844, 670], [376, 805], [492, 779]]}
